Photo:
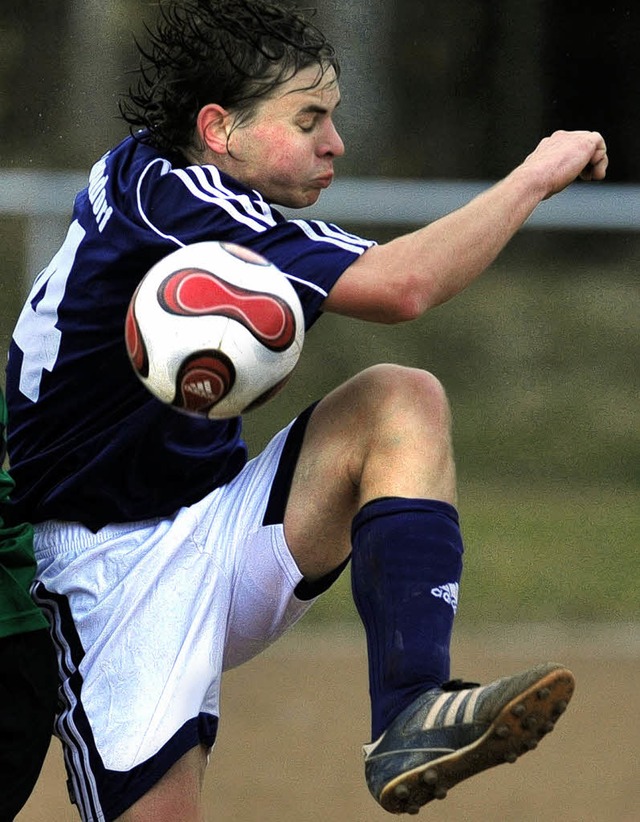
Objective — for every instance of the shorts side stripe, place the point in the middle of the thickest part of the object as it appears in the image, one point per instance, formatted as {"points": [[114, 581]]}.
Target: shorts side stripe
{"points": [[72, 727], [276, 506]]}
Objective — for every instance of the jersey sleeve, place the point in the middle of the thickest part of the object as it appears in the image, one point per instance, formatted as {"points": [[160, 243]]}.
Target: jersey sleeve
{"points": [[197, 203]]}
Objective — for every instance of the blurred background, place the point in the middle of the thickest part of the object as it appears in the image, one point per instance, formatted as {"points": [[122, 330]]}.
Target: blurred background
{"points": [[540, 357]]}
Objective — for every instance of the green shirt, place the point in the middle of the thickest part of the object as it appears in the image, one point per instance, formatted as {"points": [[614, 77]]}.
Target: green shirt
{"points": [[18, 612]]}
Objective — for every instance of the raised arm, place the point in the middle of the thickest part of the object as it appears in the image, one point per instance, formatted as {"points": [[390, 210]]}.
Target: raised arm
{"points": [[401, 279]]}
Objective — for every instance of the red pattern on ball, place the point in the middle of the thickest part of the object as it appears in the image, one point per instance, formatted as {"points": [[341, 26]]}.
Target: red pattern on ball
{"points": [[195, 292]]}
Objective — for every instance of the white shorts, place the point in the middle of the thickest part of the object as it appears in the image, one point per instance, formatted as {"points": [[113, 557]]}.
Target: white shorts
{"points": [[147, 615]]}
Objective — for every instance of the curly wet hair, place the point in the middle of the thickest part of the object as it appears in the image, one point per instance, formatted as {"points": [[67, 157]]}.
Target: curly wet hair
{"points": [[229, 52]]}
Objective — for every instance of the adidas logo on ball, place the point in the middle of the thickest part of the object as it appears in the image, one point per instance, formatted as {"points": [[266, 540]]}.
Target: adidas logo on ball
{"points": [[200, 389]]}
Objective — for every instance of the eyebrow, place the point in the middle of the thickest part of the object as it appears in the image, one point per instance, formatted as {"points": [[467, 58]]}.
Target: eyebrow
{"points": [[313, 108]]}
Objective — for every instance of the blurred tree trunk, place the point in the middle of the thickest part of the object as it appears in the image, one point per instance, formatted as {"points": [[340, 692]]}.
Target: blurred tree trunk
{"points": [[593, 65], [361, 32], [516, 79], [468, 81], [32, 35], [94, 73]]}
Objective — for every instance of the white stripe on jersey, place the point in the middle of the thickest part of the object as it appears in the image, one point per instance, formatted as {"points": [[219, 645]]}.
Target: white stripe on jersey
{"points": [[308, 284], [332, 230], [166, 167], [197, 184], [323, 233], [256, 208]]}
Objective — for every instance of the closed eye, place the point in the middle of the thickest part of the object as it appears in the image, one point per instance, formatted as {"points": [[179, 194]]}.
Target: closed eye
{"points": [[311, 115], [309, 121]]}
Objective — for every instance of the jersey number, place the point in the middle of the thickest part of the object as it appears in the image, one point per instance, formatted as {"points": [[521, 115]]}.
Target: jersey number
{"points": [[36, 333]]}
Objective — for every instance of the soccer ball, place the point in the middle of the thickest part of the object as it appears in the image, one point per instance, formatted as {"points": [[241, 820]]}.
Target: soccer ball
{"points": [[214, 329]]}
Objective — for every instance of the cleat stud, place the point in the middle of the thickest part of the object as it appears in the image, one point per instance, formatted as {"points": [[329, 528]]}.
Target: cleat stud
{"points": [[529, 722], [518, 710], [547, 727], [401, 792], [543, 693], [503, 731], [510, 757], [430, 777], [530, 744], [413, 809], [561, 706], [440, 793]]}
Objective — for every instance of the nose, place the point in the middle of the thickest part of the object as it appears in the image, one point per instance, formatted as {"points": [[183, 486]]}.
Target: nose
{"points": [[332, 143]]}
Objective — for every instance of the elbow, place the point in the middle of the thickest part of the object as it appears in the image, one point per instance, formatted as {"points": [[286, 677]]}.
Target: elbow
{"points": [[407, 303]]}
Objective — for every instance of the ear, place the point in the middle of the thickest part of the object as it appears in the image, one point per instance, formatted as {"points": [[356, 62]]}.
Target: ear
{"points": [[214, 124]]}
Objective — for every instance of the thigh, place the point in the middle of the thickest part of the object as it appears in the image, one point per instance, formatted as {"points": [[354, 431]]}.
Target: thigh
{"points": [[28, 695], [248, 519], [176, 796]]}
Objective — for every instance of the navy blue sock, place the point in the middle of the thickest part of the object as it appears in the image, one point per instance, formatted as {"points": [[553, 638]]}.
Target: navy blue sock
{"points": [[405, 569]]}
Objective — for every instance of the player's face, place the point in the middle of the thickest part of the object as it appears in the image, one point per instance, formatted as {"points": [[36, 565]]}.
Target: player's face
{"points": [[286, 150]]}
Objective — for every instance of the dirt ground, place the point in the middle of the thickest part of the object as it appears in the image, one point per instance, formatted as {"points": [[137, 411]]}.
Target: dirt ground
{"points": [[293, 720]]}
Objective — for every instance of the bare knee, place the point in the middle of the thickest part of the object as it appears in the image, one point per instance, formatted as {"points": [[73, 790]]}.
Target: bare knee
{"points": [[396, 431], [400, 381], [398, 395]]}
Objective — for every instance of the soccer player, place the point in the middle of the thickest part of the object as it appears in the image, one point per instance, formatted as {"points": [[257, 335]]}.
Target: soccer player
{"points": [[163, 554], [28, 670]]}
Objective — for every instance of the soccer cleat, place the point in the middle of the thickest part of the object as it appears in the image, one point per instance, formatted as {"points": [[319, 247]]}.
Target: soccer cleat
{"points": [[451, 733]]}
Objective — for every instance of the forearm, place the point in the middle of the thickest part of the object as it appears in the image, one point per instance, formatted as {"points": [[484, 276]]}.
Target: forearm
{"points": [[403, 278], [438, 261]]}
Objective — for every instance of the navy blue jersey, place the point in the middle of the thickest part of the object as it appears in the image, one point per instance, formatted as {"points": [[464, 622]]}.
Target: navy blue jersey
{"points": [[87, 442]]}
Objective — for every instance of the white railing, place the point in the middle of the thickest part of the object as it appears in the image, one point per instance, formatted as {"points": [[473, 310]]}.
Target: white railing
{"points": [[45, 199]]}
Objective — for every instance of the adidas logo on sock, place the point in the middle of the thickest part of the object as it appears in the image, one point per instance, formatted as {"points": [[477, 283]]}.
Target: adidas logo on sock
{"points": [[448, 592]]}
